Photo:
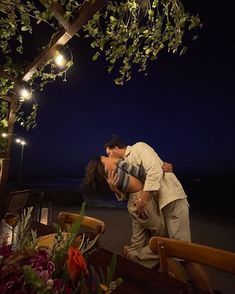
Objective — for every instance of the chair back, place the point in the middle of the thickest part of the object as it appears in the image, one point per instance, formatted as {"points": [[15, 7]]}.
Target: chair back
{"points": [[204, 255], [66, 219], [18, 200]]}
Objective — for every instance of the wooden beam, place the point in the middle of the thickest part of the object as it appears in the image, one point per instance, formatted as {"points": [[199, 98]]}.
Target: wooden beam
{"points": [[58, 13], [60, 38], [87, 10]]}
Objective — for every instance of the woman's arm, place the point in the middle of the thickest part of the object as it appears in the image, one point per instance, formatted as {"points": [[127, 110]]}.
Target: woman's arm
{"points": [[112, 180]]}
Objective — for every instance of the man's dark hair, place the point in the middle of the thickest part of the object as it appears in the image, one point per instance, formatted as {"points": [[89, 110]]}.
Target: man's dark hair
{"points": [[114, 142]]}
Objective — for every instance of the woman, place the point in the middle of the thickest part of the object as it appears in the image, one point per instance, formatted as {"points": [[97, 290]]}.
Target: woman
{"points": [[102, 170]]}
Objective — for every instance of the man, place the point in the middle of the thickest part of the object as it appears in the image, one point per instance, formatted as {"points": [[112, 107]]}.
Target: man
{"points": [[165, 187], [161, 184]]}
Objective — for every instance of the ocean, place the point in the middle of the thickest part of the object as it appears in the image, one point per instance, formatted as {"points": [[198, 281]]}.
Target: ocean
{"points": [[212, 195]]}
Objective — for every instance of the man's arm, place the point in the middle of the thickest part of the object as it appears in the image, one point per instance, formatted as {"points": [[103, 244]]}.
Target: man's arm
{"points": [[140, 205], [152, 165]]}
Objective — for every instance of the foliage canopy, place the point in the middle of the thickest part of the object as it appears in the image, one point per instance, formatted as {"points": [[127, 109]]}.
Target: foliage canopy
{"points": [[128, 33]]}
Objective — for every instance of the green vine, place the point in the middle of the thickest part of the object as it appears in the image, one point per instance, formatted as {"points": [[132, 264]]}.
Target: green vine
{"points": [[132, 32], [128, 32], [18, 18]]}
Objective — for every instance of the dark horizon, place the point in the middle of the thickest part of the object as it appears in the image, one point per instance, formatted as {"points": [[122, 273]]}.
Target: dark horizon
{"points": [[209, 196]]}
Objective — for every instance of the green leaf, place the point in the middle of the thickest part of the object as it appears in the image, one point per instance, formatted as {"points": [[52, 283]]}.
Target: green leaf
{"points": [[155, 3], [95, 56]]}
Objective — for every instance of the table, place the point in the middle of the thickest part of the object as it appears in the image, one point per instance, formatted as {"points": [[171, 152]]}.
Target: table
{"points": [[138, 279]]}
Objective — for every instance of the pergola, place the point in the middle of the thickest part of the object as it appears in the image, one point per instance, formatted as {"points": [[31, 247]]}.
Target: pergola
{"points": [[68, 30]]}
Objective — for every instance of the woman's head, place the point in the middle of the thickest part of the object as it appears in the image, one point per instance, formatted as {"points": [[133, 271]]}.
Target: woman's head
{"points": [[95, 175]]}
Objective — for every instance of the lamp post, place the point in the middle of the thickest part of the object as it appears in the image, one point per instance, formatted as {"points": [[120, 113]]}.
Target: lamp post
{"points": [[21, 141]]}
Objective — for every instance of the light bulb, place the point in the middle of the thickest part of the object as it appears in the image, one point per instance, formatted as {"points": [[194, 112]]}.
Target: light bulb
{"points": [[59, 60], [25, 94]]}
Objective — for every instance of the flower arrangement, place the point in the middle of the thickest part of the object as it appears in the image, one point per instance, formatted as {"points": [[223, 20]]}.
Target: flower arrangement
{"points": [[63, 267]]}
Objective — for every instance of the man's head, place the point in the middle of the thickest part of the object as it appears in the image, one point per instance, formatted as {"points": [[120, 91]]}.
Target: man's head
{"points": [[115, 147]]}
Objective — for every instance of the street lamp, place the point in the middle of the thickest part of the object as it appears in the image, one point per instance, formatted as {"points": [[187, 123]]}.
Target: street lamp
{"points": [[21, 141]]}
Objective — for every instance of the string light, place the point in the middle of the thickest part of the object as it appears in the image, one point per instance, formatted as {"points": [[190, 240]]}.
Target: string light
{"points": [[18, 140], [25, 94], [59, 59]]}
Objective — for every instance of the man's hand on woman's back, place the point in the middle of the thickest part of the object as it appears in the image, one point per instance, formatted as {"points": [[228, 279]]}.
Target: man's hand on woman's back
{"points": [[167, 167]]}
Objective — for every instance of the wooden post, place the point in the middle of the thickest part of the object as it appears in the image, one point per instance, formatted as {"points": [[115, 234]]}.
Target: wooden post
{"points": [[5, 159]]}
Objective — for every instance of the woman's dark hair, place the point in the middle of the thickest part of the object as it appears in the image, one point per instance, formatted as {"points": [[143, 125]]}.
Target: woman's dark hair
{"points": [[95, 175], [114, 142]]}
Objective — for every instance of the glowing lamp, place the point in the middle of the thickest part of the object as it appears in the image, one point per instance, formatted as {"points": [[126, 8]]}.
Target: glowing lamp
{"points": [[59, 60], [18, 141], [25, 94]]}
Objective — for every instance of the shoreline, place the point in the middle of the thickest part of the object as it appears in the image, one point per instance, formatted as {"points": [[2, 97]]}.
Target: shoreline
{"points": [[209, 196]]}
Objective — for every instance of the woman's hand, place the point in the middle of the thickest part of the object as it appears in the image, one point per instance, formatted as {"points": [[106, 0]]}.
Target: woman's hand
{"points": [[112, 180]]}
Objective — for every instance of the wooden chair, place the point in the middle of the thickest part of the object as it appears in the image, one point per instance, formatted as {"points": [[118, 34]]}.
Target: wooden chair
{"points": [[87, 240], [18, 200], [93, 224], [193, 256]]}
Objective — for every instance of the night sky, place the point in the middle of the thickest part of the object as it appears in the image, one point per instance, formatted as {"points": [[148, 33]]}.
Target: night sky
{"points": [[183, 108]]}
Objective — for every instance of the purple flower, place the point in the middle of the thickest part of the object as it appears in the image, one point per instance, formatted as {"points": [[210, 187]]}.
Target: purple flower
{"points": [[6, 250], [40, 259], [44, 275], [41, 264], [50, 267]]}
